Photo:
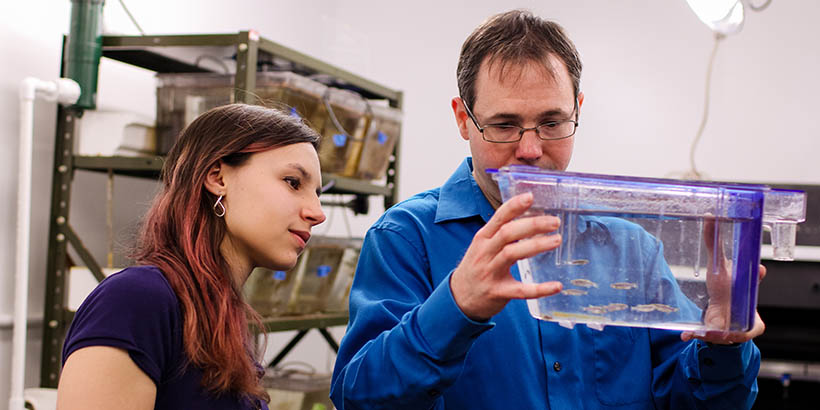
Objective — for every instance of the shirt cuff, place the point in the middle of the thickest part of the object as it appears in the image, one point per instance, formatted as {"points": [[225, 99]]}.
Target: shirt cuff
{"points": [[448, 332], [723, 362]]}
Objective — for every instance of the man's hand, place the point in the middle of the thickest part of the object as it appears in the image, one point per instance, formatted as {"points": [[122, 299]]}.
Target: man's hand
{"points": [[722, 337], [482, 284], [719, 288]]}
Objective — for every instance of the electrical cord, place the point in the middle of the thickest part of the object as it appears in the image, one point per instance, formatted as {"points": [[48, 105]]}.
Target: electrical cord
{"points": [[133, 20], [329, 221], [215, 59], [332, 115], [693, 173], [760, 7]]}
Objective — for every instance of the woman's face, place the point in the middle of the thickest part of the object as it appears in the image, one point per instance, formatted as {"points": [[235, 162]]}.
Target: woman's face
{"points": [[271, 203]]}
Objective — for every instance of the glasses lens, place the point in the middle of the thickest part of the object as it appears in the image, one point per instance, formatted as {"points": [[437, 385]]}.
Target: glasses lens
{"points": [[556, 130], [501, 133]]}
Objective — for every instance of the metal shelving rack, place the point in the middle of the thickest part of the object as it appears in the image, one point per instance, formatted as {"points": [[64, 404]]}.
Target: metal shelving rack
{"points": [[157, 53]]}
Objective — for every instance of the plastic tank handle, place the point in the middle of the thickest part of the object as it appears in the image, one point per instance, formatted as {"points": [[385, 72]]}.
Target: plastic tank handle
{"points": [[784, 236], [782, 211]]}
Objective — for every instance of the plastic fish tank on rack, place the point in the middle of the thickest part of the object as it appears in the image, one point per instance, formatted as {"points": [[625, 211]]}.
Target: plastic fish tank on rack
{"points": [[659, 253], [381, 137], [181, 97], [343, 131], [325, 259], [320, 280], [338, 296], [268, 291]]}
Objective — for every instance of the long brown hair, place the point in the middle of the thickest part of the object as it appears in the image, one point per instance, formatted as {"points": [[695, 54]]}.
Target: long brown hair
{"points": [[181, 236], [511, 38]]}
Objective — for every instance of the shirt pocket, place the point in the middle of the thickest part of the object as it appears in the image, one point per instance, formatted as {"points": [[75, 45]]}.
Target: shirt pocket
{"points": [[623, 369]]}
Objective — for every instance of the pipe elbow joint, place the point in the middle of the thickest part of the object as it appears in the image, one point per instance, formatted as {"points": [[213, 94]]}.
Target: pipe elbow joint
{"points": [[68, 91], [63, 90], [28, 88]]}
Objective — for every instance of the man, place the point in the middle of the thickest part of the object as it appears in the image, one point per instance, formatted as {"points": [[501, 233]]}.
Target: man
{"points": [[438, 317]]}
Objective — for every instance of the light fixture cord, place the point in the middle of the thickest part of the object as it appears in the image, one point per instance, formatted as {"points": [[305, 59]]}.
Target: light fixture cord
{"points": [[133, 20], [761, 7], [694, 171]]}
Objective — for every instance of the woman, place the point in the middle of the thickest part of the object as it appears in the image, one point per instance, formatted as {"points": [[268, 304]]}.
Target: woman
{"points": [[240, 189]]}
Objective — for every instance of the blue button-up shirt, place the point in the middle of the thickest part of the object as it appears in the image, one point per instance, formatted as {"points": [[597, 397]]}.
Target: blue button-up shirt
{"points": [[409, 346]]}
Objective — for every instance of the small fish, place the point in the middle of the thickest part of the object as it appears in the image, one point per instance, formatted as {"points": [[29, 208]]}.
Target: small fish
{"points": [[643, 308], [614, 307], [623, 285], [660, 307], [584, 283], [578, 262], [573, 292], [595, 310], [574, 316]]}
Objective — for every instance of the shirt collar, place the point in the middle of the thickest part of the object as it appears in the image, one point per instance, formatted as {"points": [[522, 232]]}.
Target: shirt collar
{"points": [[461, 197]]}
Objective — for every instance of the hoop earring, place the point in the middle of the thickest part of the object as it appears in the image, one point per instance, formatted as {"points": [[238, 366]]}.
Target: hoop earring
{"points": [[221, 211]]}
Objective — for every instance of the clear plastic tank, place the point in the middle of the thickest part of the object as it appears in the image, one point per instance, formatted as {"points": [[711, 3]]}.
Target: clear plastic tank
{"points": [[382, 135], [324, 261], [337, 298], [268, 291], [182, 97], [320, 281], [343, 131], [654, 253]]}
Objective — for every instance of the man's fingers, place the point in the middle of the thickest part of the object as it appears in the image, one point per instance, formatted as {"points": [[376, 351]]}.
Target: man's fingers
{"points": [[514, 289], [508, 211], [721, 337], [512, 252], [523, 228], [715, 257]]}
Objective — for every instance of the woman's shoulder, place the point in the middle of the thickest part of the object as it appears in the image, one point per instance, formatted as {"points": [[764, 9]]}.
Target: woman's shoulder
{"points": [[137, 281], [137, 290], [135, 310]]}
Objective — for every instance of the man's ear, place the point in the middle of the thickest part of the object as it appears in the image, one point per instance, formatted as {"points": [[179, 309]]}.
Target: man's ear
{"points": [[461, 117], [214, 181]]}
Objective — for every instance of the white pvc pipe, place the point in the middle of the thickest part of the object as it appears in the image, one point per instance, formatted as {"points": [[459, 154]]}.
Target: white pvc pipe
{"points": [[67, 92], [18, 355]]}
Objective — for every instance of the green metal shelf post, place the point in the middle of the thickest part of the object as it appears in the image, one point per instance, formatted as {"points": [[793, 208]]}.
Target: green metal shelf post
{"points": [[54, 318]]}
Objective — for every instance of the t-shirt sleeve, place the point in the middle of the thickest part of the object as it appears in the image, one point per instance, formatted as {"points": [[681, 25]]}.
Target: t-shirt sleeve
{"points": [[137, 311]]}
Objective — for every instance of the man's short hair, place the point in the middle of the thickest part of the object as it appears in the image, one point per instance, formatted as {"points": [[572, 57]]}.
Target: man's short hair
{"points": [[514, 37]]}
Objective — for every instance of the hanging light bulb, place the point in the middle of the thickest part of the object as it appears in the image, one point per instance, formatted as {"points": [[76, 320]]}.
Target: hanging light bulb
{"points": [[722, 16]]}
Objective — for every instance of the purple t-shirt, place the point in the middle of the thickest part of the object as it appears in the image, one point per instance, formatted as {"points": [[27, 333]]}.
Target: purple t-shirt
{"points": [[137, 311]]}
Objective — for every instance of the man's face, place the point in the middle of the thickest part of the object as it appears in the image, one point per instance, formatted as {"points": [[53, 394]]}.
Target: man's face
{"points": [[525, 95]]}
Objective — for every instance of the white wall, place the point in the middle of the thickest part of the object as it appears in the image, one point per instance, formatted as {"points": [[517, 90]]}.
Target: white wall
{"points": [[645, 64]]}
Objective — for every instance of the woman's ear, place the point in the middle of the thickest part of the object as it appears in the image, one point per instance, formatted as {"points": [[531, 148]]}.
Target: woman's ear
{"points": [[214, 181]]}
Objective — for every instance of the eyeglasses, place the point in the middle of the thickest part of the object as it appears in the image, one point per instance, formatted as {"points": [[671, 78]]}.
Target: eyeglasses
{"points": [[506, 133]]}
